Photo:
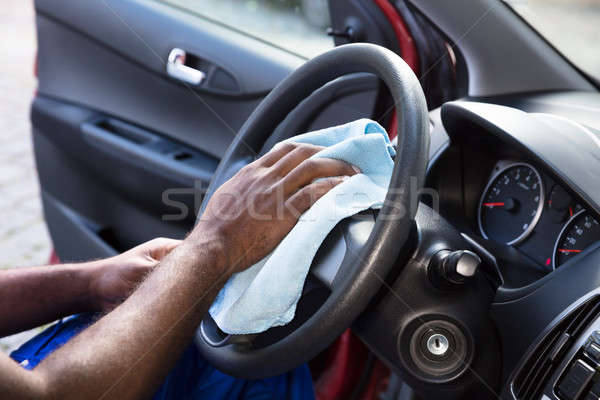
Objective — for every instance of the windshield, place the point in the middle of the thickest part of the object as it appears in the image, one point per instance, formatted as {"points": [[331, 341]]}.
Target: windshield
{"points": [[572, 26]]}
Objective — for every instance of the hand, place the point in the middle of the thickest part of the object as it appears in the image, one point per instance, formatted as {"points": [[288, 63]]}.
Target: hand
{"points": [[115, 278], [253, 211]]}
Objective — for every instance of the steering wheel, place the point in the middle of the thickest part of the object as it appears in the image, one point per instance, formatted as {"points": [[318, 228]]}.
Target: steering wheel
{"points": [[360, 276]]}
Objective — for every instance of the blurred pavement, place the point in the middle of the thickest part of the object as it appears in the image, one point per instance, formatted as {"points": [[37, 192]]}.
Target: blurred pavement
{"points": [[24, 239]]}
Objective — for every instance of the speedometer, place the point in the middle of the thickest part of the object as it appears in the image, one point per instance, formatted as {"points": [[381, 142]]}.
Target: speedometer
{"points": [[511, 204], [580, 231]]}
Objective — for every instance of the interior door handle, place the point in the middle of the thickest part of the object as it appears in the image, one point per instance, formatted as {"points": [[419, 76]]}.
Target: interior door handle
{"points": [[177, 69]]}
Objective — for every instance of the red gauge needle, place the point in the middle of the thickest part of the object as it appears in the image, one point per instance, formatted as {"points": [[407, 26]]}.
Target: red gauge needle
{"points": [[493, 204], [569, 251]]}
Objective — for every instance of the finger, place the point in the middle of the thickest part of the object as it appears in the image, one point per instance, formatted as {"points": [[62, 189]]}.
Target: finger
{"points": [[282, 149], [275, 154], [292, 159], [303, 199], [158, 248], [315, 168]]}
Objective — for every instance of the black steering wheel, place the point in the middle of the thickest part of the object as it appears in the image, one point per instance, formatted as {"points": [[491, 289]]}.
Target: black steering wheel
{"points": [[360, 276]]}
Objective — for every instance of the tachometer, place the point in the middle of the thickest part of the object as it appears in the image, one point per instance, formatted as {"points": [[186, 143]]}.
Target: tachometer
{"points": [[511, 204], [579, 232]]}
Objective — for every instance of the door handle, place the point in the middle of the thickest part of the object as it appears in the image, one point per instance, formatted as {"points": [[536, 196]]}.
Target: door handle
{"points": [[177, 69]]}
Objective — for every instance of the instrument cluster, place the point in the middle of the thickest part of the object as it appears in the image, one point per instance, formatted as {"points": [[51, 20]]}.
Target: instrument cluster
{"points": [[524, 208]]}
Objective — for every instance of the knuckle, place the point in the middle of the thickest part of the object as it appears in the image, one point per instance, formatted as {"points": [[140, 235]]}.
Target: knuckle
{"points": [[247, 168], [321, 188], [307, 191], [330, 183], [298, 195], [254, 174], [314, 191], [342, 166], [287, 147], [305, 150], [325, 185], [310, 164], [302, 198]]}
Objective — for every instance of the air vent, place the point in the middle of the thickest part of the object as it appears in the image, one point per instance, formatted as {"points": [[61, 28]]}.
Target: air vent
{"points": [[539, 365]]}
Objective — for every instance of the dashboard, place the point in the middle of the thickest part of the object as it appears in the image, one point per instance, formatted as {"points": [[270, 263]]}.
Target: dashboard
{"points": [[525, 208], [511, 196], [513, 180]]}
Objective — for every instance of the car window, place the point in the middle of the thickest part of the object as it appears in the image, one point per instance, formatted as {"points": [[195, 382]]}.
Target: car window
{"points": [[295, 25], [572, 26]]}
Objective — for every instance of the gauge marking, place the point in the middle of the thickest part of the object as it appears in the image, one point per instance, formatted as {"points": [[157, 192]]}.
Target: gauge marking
{"points": [[579, 232], [511, 203]]}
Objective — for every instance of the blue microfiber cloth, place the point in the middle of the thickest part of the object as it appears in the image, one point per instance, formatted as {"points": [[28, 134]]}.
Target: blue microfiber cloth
{"points": [[266, 294]]}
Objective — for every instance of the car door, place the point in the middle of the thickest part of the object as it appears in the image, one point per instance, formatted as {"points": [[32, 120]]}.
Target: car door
{"points": [[138, 100]]}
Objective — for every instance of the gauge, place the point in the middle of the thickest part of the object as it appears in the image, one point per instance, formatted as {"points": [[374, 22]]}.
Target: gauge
{"points": [[579, 232], [511, 204]]}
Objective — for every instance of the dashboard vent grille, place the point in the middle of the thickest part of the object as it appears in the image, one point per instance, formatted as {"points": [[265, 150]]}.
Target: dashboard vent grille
{"points": [[538, 367]]}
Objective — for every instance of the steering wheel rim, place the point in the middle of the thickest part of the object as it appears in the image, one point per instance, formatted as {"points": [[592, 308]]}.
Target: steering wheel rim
{"points": [[391, 230]]}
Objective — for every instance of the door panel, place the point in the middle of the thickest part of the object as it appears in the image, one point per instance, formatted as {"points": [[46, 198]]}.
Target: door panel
{"points": [[75, 68], [112, 198], [123, 150]]}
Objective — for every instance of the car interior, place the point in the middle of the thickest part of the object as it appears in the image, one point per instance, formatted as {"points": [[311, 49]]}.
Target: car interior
{"points": [[487, 286]]}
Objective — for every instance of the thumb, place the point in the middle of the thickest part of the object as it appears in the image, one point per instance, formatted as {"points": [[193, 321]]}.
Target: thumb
{"points": [[160, 247]]}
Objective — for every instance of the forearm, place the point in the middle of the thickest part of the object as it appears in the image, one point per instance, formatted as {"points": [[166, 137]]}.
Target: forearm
{"points": [[30, 297], [128, 352]]}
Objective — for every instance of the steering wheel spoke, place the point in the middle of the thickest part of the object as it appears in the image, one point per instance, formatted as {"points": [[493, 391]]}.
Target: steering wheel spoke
{"points": [[341, 248]]}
